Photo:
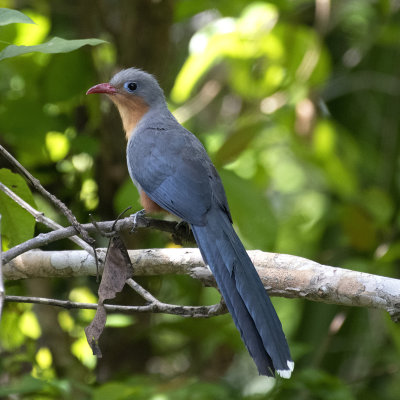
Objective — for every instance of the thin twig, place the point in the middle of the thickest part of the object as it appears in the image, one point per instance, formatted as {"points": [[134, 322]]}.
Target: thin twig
{"points": [[58, 203], [123, 224], [41, 218], [202, 311], [183, 311], [142, 291]]}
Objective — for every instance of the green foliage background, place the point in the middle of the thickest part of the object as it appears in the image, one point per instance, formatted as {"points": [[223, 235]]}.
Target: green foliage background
{"points": [[298, 106]]}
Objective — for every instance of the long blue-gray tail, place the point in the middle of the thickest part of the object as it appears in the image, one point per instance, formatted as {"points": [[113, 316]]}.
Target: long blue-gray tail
{"points": [[244, 294]]}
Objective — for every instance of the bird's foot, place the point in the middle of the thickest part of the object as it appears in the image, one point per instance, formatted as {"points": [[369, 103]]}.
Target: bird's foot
{"points": [[138, 220], [182, 226], [183, 233]]}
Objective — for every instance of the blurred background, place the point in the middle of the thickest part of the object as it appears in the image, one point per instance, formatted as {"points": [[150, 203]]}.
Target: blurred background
{"points": [[297, 103]]}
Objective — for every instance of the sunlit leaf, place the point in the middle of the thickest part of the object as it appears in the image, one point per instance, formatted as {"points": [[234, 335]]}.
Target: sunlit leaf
{"points": [[205, 48], [65, 320], [89, 194], [57, 145], [83, 295], [55, 45], [30, 35], [10, 335], [82, 351], [44, 358], [119, 320], [194, 68], [258, 17], [29, 325], [8, 16], [82, 162], [324, 139]]}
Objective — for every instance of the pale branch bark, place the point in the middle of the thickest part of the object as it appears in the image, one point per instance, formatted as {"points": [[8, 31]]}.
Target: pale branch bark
{"points": [[282, 275], [178, 231], [41, 218], [53, 199], [154, 307]]}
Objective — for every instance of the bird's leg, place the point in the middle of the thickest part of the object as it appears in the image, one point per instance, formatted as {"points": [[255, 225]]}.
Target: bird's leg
{"points": [[138, 220]]}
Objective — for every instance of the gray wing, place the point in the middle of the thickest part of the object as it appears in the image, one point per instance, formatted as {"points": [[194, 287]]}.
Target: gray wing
{"points": [[173, 168]]}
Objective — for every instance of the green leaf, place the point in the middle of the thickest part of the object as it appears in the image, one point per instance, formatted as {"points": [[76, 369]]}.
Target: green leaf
{"points": [[76, 76], [239, 139], [18, 225], [55, 45], [27, 384], [8, 16], [124, 391]]}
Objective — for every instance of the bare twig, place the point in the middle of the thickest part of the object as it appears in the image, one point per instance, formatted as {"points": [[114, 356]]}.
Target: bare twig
{"points": [[41, 218], [142, 291], [58, 203], [196, 312], [183, 311], [282, 275], [188, 311], [123, 224]]}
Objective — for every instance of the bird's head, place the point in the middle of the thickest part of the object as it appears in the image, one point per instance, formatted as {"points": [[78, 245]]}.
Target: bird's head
{"points": [[134, 92], [131, 83]]}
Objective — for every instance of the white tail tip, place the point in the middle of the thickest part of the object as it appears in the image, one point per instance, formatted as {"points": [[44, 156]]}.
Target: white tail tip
{"points": [[286, 373]]}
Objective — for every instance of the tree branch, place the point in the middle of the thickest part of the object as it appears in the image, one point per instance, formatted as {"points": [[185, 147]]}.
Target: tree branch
{"points": [[58, 203], [41, 218], [178, 231], [154, 307], [282, 275]]}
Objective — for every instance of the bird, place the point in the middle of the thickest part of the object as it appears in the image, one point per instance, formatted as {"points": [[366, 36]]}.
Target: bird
{"points": [[173, 172]]}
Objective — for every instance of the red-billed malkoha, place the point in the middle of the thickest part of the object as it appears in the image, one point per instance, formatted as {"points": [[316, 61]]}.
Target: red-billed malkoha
{"points": [[173, 172]]}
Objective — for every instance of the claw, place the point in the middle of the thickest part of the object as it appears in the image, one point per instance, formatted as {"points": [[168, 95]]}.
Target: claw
{"points": [[136, 219], [183, 233], [182, 225]]}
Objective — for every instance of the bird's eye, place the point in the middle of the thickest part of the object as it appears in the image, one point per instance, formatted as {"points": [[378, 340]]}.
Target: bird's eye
{"points": [[130, 86]]}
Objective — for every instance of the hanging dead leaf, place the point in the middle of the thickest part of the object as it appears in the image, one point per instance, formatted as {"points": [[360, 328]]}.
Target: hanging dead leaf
{"points": [[117, 269]]}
